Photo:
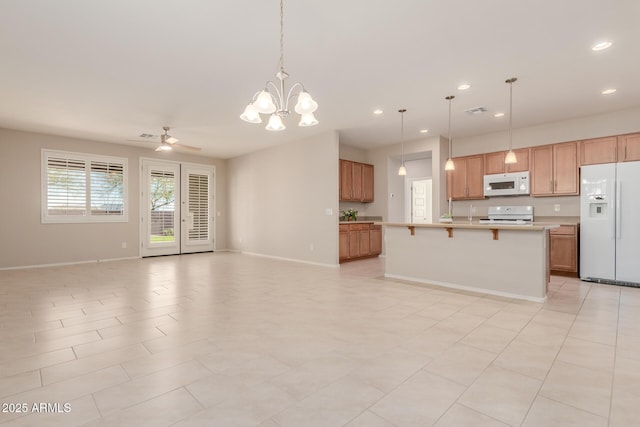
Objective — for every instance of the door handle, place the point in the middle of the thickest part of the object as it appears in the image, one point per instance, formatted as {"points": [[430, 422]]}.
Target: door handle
{"points": [[618, 213]]}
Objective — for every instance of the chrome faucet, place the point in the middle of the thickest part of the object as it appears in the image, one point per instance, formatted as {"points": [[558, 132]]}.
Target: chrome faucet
{"points": [[470, 214]]}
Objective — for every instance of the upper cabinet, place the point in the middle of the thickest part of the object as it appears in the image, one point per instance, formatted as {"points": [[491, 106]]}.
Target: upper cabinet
{"points": [[629, 147], [554, 170], [465, 182], [494, 162], [599, 150], [356, 182]]}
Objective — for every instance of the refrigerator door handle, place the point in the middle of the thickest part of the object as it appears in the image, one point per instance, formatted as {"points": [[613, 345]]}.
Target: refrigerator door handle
{"points": [[618, 210]]}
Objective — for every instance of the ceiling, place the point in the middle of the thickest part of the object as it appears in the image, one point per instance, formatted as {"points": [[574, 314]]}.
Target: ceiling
{"points": [[111, 70]]}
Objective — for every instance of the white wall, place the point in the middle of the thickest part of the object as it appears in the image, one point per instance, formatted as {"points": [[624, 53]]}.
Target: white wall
{"points": [[278, 197], [24, 241]]}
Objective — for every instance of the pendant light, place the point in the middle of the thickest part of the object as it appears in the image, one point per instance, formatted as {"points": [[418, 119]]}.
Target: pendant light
{"points": [[511, 156], [402, 171], [449, 166]]}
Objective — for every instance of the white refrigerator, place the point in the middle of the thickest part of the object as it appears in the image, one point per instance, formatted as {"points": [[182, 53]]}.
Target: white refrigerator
{"points": [[610, 223]]}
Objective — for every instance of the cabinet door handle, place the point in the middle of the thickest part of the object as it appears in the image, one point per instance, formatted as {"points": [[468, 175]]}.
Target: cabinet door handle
{"points": [[625, 151]]}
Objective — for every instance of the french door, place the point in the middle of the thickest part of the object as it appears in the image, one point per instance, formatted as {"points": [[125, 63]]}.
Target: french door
{"points": [[176, 208]]}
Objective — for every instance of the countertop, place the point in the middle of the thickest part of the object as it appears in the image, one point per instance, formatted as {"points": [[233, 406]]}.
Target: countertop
{"points": [[536, 226], [371, 221]]}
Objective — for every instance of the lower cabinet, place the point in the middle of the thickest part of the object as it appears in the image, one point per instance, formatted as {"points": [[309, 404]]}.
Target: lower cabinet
{"points": [[363, 240], [564, 250]]}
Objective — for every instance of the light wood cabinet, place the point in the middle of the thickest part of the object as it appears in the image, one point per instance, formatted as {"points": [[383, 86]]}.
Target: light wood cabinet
{"points": [[357, 241], [629, 147], [554, 170], [465, 182], [599, 150], [344, 242], [367, 183], [564, 250], [356, 182], [494, 162], [375, 233]]}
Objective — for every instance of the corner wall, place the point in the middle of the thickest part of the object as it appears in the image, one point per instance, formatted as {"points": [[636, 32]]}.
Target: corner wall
{"points": [[279, 197]]}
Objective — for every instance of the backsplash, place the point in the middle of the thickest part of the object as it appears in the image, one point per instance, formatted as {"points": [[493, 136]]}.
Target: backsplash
{"points": [[569, 206]]}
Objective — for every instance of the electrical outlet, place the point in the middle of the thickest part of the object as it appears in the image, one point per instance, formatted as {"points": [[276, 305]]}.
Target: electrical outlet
{"points": [[311, 247], [328, 211], [124, 245], [556, 208]]}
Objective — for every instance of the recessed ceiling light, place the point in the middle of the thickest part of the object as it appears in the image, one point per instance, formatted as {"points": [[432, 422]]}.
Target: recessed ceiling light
{"points": [[496, 115], [377, 112], [424, 130], [464, 86], [609, 91], [601, 46]]}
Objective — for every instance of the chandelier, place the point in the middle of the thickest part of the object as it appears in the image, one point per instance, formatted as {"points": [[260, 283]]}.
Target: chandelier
{"points": [[274, 99]]}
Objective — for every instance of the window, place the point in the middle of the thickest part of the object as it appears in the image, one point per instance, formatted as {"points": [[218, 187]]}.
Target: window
{"points": [[83, 188]]}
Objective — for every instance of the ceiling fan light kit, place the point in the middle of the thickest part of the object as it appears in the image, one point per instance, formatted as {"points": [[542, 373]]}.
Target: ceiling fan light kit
{"points": [[274, 99]]}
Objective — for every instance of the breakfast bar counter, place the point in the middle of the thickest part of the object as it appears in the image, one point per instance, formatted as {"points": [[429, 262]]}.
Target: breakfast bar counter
{"points": [[505, 260]]}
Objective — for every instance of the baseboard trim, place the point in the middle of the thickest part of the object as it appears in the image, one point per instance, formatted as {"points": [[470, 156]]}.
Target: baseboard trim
{"points": [[301, 261], [60, 264]]}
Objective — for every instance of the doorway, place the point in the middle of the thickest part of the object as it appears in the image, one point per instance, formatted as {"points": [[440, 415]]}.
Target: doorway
{"points": [[176, 208], [419, 200]]}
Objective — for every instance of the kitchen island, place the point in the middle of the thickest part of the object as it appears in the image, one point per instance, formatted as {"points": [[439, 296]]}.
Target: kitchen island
{"points": [[506, 260]]}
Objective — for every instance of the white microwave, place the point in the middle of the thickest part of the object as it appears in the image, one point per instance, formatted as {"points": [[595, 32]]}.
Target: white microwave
{"points": [[507, 184]]}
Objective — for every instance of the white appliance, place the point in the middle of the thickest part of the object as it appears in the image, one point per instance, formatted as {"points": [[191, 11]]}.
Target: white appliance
{"points": [[610, 223], [506, 184], [514, 215]]}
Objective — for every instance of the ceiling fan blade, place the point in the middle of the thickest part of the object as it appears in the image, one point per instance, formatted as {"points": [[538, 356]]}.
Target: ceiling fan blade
{"points": [[188, 147], [159, 148], [171, 140]]}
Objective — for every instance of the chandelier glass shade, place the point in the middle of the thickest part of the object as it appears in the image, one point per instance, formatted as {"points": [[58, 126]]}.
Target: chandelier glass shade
{"points": [[274, 99]]}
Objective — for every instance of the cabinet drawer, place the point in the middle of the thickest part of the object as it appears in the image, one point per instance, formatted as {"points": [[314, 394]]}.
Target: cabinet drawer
{"points": [[358, 227], [564, 230], [375, 227], [343, 227]]}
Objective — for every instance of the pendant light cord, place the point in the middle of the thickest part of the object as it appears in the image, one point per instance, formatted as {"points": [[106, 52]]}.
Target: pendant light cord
{"points": [[401, 111], [510, 115], [511, 81], [450, 98]]}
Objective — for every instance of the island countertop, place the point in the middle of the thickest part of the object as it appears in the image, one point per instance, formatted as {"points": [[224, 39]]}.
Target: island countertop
{"points": [[536, 226]]}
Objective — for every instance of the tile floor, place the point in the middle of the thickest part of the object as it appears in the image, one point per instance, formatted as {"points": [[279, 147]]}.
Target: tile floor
{"points": [[235, 340]]}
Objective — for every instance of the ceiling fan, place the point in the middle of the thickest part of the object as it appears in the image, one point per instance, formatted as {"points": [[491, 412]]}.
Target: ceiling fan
{"points": [[167, 142]]}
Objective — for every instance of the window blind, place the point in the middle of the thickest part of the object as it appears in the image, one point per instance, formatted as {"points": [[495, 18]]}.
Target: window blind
{"points": [[83, 188]]}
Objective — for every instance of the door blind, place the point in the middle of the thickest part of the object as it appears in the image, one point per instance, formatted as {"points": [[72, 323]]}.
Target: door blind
{"points": [[199, 206]]}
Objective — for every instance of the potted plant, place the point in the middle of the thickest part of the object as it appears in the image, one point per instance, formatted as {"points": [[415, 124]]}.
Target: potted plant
{"points": [[349, 215]]}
